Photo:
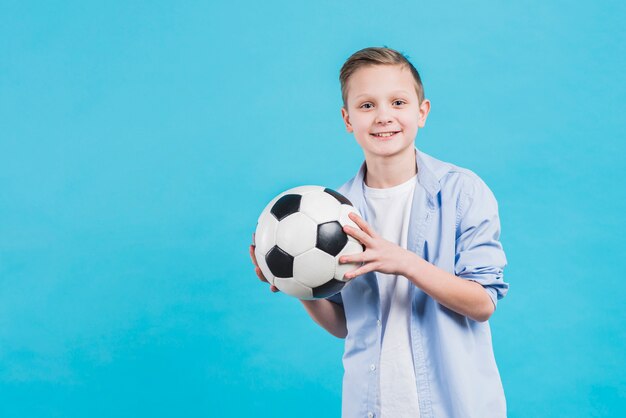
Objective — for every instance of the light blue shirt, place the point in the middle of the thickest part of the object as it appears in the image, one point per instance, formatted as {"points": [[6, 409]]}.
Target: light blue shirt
{"points": [[455, 226]]}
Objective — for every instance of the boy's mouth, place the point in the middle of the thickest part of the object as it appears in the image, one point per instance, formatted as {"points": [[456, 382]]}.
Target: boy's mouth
{"points": [[384, 135]]}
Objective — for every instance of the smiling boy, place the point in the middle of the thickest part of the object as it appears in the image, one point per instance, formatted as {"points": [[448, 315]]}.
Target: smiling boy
{"points": [[414, 315]]}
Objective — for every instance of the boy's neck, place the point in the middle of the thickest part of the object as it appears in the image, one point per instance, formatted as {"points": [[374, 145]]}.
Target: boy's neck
{"points": [[382, 173]]}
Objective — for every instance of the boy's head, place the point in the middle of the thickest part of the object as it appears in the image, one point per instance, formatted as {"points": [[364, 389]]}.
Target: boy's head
{"points": [[384, 104], [376, 56]]}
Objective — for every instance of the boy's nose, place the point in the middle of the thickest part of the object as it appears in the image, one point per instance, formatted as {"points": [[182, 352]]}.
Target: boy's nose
{"points": [[383, 116]]}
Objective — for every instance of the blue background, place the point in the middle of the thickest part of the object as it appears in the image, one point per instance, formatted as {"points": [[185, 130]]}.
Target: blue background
{"points": [[139, 141]]}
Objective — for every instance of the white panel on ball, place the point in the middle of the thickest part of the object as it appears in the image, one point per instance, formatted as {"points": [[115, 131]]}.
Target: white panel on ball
{"points": [[268, 207], [352, 247], [304, 190], [293, 288], [265, 235], [296, 234], [343, 216], [314, 268], [320, 206]]}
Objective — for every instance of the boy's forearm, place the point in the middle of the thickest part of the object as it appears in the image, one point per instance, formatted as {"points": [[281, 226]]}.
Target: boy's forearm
{"points": [[462, 296], [328, 315]]}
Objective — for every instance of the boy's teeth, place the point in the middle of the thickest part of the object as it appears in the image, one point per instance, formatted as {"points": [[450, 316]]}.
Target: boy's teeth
{"points": [[386, 134]]}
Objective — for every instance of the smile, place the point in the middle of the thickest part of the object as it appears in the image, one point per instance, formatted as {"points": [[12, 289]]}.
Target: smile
{"points": [[384, 134]]}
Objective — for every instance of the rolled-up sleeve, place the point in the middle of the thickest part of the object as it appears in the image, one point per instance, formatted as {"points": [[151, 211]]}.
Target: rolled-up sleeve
{"points": [[479, 254], [336, 298]]}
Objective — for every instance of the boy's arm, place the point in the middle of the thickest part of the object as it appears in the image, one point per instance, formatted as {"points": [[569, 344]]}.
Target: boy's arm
{"points": [[466, 297], [463, 296], [327, 314]]}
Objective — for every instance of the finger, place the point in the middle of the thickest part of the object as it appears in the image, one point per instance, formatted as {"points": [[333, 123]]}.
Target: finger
{"points": [[361, 236], [353, 258], [365, 268], [274, 289], [260, 275], [252, 255], [362, 224]]}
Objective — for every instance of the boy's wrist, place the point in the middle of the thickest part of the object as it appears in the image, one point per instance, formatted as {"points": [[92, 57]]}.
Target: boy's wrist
{"points": [[410, 264], [406, 263]]}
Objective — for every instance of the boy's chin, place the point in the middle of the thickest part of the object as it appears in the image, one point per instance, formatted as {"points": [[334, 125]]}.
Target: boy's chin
{"points": [[389, 150]]}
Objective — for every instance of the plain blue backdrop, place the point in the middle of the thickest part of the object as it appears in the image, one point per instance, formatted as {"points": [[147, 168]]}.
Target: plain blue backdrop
{"points": [[139, 141]]}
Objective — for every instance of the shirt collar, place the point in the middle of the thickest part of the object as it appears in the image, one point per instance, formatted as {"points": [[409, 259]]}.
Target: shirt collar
{"points": [[429, 172]]}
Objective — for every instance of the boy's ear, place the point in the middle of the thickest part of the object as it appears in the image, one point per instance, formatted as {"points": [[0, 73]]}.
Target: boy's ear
{"points": [[423, 112], [346, 119]]}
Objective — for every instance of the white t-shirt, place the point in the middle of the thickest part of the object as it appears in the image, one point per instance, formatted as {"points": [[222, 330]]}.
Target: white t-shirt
{"points": [[389, 211]]}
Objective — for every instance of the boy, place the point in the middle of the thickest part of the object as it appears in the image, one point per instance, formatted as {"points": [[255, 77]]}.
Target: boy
{"points": [[415, 313]]}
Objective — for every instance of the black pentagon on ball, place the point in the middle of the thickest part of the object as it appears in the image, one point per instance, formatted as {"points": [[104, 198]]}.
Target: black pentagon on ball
{"points": [[341, 198], [286, 205], [329, 288], [330, 238], [279, 262]]}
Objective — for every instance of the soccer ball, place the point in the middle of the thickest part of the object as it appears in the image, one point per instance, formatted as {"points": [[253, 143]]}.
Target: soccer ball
{"points": [[299, 239]]}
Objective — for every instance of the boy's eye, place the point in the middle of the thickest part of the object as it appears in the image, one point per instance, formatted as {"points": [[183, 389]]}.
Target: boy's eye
{"points": [[366, 106], [399, 102]]}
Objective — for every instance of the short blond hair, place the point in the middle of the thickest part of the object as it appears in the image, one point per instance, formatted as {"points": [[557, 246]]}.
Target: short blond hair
{"points": [[376, 56]]}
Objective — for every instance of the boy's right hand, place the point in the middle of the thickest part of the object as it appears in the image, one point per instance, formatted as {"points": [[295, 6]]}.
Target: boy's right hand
{"points": [[258, 271]]}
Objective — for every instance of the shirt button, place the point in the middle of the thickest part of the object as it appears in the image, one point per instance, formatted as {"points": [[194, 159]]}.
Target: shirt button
{"points": [[370, 415], [378, 322], [372, 367]]}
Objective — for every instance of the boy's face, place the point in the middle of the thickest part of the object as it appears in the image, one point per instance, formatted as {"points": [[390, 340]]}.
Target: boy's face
{"points": [[383, 110]]}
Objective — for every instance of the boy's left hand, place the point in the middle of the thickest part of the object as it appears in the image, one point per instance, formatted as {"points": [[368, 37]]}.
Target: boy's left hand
{"points": [[379, 255]]}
